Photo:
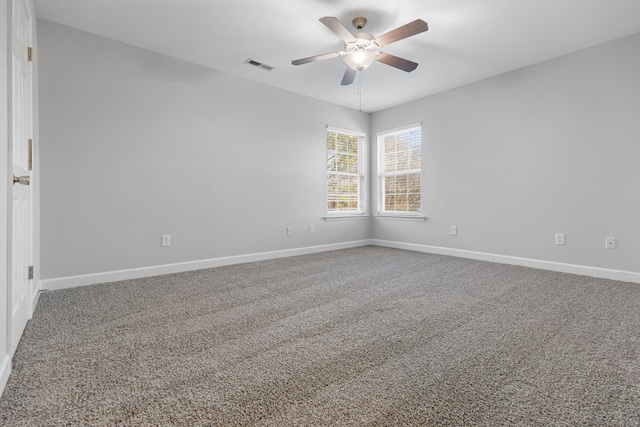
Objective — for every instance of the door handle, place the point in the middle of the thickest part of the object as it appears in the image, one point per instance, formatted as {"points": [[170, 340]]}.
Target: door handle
{"points": [[24, 180]]}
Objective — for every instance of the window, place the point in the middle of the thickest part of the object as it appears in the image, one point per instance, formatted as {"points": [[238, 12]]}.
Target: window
{"points": [[345, 172], [400, 171]]}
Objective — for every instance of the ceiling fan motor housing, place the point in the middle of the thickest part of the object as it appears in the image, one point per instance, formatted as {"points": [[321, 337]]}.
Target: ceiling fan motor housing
{"points": [[359, 22]]}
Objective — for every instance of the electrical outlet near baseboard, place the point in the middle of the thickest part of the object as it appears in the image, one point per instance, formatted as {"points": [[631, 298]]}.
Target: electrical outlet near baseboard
{"points": [[559, 238], [610, 242]]}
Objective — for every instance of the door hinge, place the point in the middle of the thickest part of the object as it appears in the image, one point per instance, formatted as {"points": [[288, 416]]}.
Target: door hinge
{"points": [[29, 54], [30, 154], [31, 272]]}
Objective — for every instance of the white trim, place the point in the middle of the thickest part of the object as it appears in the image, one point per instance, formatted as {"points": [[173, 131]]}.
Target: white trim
{"points": [[346, 131], [361, 174], [35, 298], [399, 129], [135, 273], [156, 270], [5, 199], [382, 174], [401, 172], [5, 371], [345, 217], [584, 270], [420, 218]]}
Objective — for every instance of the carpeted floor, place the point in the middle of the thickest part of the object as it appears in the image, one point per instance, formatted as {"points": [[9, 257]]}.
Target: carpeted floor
{"points": [[361, 337]]}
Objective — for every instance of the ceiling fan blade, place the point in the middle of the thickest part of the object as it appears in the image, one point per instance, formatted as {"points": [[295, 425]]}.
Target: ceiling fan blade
{"points": [[411, 29], [396, 61], [315, 58], [336, 26], [349, 76]]}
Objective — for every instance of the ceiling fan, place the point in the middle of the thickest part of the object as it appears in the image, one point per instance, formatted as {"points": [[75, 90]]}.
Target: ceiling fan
{"points": [[361, 49]]}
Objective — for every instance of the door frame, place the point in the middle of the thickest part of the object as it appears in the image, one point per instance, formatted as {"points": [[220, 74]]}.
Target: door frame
{"points": [[5, 358], [6, 170], [20, 131]]}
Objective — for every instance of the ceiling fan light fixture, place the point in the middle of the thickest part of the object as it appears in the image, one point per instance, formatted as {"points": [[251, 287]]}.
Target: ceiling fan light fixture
{"points": [[359, 59], [361, 48]]}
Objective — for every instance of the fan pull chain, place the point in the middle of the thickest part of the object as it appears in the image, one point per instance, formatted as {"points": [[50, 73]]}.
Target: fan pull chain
{"points": [[360, 89]]}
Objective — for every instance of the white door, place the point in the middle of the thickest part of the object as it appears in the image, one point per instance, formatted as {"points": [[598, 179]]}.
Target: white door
{"points": [[21, 134]]}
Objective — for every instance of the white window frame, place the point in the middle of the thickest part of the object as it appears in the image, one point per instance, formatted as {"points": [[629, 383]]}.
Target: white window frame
{"points": [[361, 174], [382, 174]]}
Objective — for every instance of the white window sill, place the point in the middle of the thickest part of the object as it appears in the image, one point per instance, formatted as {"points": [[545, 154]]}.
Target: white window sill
{"points": [[419, 218], [345, 217]]}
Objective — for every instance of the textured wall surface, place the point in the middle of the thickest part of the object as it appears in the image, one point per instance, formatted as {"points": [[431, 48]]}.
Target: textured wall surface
{"points": [[135, 145], [512, 160]]}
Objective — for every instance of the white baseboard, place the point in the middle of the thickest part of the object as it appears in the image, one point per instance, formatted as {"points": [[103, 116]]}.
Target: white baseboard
{"points": [[5, 371], [36, 297], [602, 273], [136, 273]]}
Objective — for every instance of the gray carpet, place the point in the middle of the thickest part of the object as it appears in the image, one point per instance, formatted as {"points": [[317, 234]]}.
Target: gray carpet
{"points": [[361, 337]]}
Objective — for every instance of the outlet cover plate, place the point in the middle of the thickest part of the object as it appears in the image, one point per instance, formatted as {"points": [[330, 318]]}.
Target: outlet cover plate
{"points": [[610, 242]]}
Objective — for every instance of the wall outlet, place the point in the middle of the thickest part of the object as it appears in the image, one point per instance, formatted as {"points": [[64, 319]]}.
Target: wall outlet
{"points": [[559, 238], [610, 242], [454, 230], [289, 231], [166, 240], [312, 229]]}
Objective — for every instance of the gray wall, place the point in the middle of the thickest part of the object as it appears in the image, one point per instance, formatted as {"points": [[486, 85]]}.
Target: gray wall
{"points": [[135, 145], [512, 160]]}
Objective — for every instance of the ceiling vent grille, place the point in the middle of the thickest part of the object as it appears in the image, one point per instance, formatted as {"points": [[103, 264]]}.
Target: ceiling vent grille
{"points": [[258, 64]]}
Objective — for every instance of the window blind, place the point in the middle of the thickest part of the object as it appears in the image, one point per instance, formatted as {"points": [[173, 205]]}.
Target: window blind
{"points": [[400, 170], [345, 171]]}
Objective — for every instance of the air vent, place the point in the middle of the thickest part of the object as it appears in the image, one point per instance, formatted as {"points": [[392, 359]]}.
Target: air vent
{"points": [[258, 64]]}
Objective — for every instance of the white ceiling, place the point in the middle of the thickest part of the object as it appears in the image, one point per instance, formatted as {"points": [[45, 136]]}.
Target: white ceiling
{"points": [[468, 40]]}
